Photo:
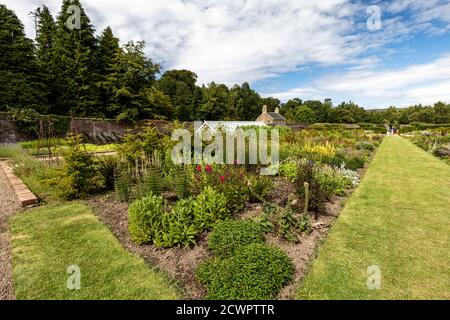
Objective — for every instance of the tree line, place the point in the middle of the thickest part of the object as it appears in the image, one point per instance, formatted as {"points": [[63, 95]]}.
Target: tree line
{"points": [[71, 71]]}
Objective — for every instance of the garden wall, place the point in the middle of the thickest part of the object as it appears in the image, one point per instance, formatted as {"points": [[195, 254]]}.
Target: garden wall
{"points": [[99, 131], [8, 133]]}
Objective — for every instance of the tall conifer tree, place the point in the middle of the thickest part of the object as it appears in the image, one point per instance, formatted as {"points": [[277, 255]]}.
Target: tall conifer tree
{"points": [[74, 61], [19, 85]]}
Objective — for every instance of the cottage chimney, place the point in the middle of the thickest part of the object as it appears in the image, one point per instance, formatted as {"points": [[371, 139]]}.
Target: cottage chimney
{"points": [[264, 109], [277, 110]]}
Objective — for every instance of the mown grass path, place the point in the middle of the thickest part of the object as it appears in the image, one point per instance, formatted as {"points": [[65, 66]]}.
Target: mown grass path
{"points": [[48, 240], [398, 219]]}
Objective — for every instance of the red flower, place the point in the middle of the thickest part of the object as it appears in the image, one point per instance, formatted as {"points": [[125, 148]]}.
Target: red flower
{"points": [[198, 168], [208, 168], [222, 179]]}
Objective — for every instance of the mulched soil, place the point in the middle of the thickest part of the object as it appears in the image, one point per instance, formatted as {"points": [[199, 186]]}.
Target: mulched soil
{"points": [[8, 206]]}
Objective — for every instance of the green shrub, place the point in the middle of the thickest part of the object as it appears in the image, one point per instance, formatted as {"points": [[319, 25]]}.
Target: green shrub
{"points": [[261, 188], [182, 180], [229, 236], [153, 181], [306, 173], [332, 183], [106, 168], [81, 171], [364, 145], [145, 219], [181, 229], [255, 272], [355, 163], [288, 170], [210, 208], [149, 222], [122, 185]]}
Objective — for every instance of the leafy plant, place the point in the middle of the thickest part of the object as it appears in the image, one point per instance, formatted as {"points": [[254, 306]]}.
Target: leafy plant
{"points": [[332, 182], [182, 182], [287, 225], [255, 272], [288, 170], [304, 224], [261, 186], [306, 173], [210, 208], [145, 218], [229, 236], [106, 168], [123, 185], [81, 170]]}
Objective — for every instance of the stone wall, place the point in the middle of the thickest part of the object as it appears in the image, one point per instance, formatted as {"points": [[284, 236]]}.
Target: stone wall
{"points": [[8, 133], [99, 131]]}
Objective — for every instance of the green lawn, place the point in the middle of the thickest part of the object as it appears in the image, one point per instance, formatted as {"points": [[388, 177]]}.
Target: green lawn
{"points": [[399, 220], [46, 241]]}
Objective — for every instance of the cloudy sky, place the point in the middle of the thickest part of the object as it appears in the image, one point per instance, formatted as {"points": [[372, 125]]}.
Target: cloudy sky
{"points": [[309, 49]]}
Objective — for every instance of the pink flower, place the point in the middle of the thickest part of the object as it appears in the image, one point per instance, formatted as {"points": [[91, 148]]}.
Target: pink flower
{"points": [[198, 168], [222, 179], [208, 168]]}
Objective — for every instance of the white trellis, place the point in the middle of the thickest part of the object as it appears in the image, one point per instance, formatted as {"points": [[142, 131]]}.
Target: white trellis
{"points": [[229, 126]]}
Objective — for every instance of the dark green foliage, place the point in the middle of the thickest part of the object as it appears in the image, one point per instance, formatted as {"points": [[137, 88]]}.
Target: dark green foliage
{"points": [[179, 86], [182, 182], [364, 145], [305, 173], [45, 37], [154, 181], [108, 49], [231, 235], [287, 225], [19, 83], [255, 272], [106, 167], [261, 187], [81, 170], [304, 224], [355, 163], [123, 185], [26, 120], [74, 63]]}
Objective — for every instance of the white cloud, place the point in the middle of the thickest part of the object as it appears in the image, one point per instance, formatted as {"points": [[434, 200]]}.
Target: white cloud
{"points": [[231, 41], [422, 83]]}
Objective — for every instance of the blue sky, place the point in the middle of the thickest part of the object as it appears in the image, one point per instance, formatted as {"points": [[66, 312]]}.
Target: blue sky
{"points": [[308, 49]]}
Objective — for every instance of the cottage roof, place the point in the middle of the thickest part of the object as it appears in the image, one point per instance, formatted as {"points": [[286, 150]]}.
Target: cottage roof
{"points": [[276, 116]]}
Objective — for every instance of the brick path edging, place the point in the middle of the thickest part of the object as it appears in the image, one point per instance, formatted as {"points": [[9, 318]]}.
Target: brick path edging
{"points": [[24, 195]]}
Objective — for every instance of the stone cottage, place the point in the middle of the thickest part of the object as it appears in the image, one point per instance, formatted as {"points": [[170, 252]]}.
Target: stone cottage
{"points": [[272, 118]]}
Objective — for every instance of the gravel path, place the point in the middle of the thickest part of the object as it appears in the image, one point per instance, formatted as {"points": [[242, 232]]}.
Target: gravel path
{"points": [[8, 206]]}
